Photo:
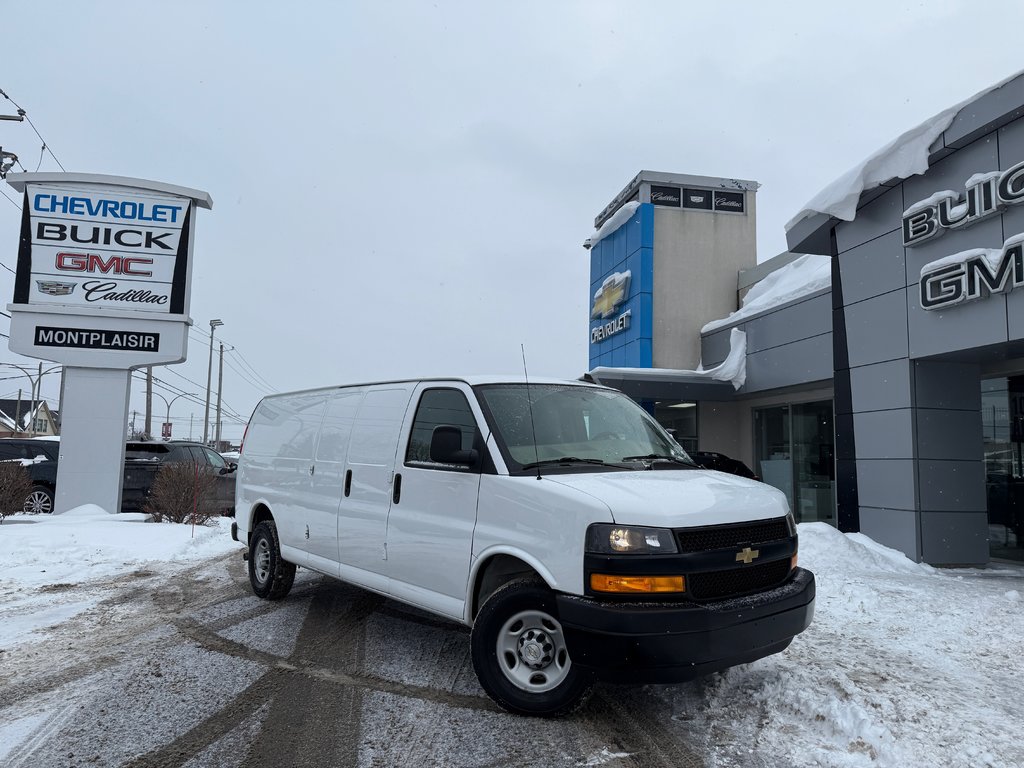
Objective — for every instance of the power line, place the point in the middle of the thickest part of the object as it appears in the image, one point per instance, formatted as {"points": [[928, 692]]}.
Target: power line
{"points": [[10, 199], [247, 364], [45, 147]]}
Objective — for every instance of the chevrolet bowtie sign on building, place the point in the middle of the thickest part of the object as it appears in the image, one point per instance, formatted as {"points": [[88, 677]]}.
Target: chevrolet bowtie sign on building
{"points": [[609, 297], [102, 286]]}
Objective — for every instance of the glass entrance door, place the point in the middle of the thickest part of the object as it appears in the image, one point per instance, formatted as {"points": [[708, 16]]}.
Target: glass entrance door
{"points": [[1002, 418], [794, 449]]}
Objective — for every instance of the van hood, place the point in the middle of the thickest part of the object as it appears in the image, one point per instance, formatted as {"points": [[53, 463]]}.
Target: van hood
{"points": [[676, 498]]}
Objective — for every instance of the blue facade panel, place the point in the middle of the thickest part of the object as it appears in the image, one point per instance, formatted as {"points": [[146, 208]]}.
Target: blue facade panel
{"points": [[629, 248]]}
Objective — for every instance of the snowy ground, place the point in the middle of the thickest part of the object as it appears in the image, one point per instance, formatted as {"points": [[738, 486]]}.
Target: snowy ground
{"points": [[904, 664]]}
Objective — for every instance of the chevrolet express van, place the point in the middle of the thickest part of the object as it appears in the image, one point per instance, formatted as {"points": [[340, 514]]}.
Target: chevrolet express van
{"points": [[556, 519]]}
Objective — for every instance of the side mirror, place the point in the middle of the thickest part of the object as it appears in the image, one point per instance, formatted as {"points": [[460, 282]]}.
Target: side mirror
{"points": [[446, 447]]}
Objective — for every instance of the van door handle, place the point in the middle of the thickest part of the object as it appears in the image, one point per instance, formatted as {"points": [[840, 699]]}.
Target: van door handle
{"points": [[396, 494], [348, 483]]}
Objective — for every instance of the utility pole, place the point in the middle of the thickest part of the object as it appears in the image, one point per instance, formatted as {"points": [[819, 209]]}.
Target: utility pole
{"points": [[209, 376], [149, 402], [220, 386]]}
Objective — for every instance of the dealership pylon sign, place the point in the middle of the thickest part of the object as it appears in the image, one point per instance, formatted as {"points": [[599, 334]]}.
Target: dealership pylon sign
{"points": [[103, 282]]}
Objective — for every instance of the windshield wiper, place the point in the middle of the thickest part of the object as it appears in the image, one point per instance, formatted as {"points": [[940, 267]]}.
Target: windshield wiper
{"points": [[563, 460], [662, 457]]}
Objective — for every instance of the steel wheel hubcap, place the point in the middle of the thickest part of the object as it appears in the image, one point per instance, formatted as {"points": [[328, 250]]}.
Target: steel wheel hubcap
{"points": [[531, 651], [261, 561]]}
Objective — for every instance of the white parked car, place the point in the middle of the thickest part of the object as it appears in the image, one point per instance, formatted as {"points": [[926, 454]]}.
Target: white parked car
{"points": [[557, 519]]}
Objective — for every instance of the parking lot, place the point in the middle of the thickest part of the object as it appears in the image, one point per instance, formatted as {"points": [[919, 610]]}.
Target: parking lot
{"points": [[198, 672]]}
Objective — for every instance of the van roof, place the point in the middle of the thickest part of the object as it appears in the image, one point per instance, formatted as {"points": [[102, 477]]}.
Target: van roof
{"points": [[472, 381]]}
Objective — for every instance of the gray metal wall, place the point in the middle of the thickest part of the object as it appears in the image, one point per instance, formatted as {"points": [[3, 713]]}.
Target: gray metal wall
{"points": [[787, 346]]}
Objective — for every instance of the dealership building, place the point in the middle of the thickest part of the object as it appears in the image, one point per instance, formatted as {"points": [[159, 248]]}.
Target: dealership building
{"points": [[875, 372]]}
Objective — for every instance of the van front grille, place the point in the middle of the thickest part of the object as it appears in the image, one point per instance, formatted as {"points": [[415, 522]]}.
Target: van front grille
{"points": [[732, 535], [715, 585]]}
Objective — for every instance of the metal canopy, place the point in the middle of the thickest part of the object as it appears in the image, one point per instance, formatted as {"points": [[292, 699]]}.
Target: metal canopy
{"points": [[663, 384]]}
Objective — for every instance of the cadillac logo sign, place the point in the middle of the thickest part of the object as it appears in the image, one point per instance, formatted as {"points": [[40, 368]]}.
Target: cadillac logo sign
{"points": [[54, 288]]}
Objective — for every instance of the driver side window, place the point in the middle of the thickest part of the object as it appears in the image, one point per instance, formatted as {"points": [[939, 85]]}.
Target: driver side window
{"points": [[445, 409]]}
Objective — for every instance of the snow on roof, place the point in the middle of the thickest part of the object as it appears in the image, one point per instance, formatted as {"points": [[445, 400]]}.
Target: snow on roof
{"points": [[802, 276], [901, 158], [617, 219], [733, 369]]}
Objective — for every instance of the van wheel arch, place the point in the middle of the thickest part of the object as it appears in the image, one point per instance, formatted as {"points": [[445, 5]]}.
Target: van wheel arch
{"points": [[260, 513], [497, 571]]}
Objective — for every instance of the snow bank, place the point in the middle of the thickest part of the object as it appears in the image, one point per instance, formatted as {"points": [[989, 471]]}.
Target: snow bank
{"points": [[87, 542], [901, 158], [904, 664], [800, 277]]}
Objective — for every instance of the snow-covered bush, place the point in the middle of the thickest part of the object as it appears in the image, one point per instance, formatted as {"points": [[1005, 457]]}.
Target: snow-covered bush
{"points": [[181, 491], [15, 486]]}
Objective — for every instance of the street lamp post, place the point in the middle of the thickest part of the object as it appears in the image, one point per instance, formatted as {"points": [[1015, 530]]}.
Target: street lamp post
{"points": [[36, 390], [209, 375], [168, 403]]}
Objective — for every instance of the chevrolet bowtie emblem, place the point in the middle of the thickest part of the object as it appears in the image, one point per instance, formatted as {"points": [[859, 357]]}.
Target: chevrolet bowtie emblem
{"points": [[610, 295], [747, 555]]}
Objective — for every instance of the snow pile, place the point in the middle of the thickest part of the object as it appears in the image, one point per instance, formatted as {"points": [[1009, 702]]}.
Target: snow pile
{"points": [[800, 277], [905, 156], [904, 664], [44, 554]]}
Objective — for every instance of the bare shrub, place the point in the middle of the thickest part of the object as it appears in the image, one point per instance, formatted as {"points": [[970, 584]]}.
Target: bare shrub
{"points": [[181, 490], [15, 486]]}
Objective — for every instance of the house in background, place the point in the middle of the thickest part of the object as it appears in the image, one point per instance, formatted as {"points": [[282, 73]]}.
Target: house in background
{"points": [[23, 418]]}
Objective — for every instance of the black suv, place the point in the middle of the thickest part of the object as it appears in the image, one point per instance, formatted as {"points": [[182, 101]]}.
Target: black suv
{"points": [[142, 461], [39, 455]]}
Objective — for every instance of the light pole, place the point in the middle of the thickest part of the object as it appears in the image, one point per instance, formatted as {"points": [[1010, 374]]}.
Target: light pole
{"points": [[169, 402], [209, 375], [35, 392]]}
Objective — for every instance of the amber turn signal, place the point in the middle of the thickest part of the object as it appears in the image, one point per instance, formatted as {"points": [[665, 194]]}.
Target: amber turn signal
{"points": [[605, 582]]}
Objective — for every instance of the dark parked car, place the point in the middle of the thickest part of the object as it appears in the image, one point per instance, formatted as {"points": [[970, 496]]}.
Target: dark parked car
{"points": [[722, 463], [142, 461], [39, 455]]}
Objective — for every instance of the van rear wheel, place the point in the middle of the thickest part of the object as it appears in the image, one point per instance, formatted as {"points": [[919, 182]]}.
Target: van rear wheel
{"points": [[520, 653], [270, 575]]}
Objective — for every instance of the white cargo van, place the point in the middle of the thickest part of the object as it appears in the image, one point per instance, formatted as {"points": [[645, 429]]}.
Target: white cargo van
{"points": [[557, 519]]}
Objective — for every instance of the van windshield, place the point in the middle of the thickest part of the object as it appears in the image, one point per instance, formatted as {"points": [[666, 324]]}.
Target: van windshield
{"points": [[574, 428]]}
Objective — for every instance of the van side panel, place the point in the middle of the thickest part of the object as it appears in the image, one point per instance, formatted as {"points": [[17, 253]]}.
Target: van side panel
{"points": [[541, 518], [328, 481], [278, 455], [363, 515]]}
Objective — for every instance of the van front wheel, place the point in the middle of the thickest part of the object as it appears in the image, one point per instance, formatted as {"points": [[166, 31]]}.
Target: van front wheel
{"points": [[520, 653], [270, 575]]}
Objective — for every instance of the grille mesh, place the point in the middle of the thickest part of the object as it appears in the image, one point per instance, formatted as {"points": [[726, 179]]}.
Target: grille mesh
{"points": [[723, 536], [737, 581]]}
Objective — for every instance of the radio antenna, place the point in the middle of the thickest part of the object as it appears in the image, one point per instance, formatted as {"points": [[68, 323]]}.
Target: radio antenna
{"points": [[529, 402]]}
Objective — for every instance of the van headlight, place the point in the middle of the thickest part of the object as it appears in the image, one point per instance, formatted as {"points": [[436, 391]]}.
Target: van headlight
{"points": [[611, 539]]}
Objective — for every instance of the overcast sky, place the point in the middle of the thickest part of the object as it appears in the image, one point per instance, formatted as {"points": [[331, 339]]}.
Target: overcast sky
{"points": [[402, 189]]}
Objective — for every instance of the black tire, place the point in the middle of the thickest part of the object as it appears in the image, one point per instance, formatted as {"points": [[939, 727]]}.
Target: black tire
{"points": [[270, 575], [520, 655], [39, 501]]}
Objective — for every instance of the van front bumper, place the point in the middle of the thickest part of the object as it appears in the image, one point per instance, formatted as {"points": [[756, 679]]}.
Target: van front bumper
{"points": [[670, 642]]}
